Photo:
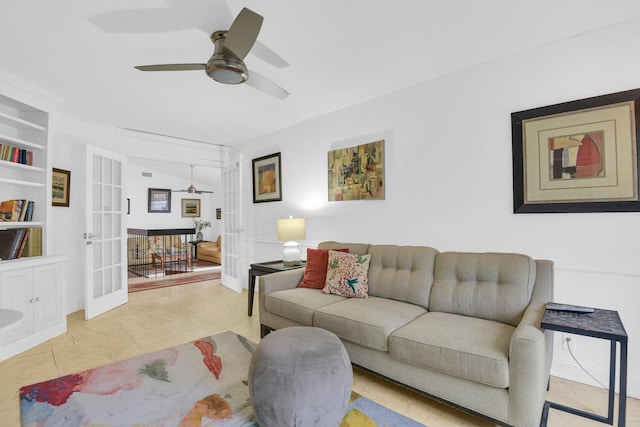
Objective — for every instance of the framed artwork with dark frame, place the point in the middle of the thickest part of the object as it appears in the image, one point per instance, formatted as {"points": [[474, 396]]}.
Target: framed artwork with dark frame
{"points": [[578, 156], [159, 200], [190, 208], [60, 186], [267, 179]]}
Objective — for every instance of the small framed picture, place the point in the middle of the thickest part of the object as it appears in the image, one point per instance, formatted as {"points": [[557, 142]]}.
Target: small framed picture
{"points": [[267, 179], [159, 200], [190, 208], [218, 213], [60, 185]]}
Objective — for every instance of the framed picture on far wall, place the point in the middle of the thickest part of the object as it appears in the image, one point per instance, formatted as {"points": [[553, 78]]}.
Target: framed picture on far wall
{"points": [[60, 185], [159, 200], [578, 156], [267, 179], [190, 208]]}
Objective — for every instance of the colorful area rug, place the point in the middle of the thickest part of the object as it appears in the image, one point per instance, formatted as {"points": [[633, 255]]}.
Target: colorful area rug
{"points": [[195, 384], [173, 281]]}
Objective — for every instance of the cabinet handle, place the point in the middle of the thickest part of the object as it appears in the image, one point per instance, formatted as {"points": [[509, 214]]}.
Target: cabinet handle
{"points": [[37, 298], [31, 300]]}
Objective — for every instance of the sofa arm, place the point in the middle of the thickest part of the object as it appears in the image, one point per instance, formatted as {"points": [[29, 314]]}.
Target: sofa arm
{"points": [[530, 355], [280, 281]]}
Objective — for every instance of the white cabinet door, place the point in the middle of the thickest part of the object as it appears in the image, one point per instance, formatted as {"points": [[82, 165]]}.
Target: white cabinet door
{"points": [[35, 288], [16, 293], [47, 291]]}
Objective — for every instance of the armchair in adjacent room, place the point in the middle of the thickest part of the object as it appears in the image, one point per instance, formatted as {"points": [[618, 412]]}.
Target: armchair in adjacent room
{"points": [[210, 251]]}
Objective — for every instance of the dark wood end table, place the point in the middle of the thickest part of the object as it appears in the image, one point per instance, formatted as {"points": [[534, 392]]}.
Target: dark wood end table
{"points": [[603, 324], [261, 268]]}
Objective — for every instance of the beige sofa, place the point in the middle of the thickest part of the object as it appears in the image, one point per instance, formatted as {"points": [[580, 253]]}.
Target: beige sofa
{"points": [[461, 327], [210, 251]]}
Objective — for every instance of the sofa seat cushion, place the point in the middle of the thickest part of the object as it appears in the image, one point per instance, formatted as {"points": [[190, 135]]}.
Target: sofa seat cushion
{"points": [[298, 304], [367, 322], [466, 347]]}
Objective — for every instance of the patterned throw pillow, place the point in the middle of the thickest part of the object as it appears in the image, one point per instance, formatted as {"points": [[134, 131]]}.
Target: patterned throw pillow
{"points": [[347, 275], [315, 272]]}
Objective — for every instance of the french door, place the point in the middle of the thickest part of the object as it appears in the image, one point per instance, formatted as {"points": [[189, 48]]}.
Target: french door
{"points": [[105, 232], [231, 223]]}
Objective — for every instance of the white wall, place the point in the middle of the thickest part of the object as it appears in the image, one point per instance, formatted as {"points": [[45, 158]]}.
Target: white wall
{"points": [[449, 178]]}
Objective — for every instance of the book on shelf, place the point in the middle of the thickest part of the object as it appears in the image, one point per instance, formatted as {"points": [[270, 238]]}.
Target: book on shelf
{"points": [[16, 210], [33, 245], [18, 242], [14, 154]]}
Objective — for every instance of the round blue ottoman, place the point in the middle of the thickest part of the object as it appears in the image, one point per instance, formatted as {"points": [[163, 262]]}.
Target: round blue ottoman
{"points": [[300, 376]]}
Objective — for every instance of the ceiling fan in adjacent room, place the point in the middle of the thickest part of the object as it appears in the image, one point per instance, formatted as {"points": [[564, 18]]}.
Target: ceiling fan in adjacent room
{"points": [[192, 188], [226, 65]]}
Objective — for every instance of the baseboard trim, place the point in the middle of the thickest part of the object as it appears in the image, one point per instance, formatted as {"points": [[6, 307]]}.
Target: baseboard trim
{"points": [[572, 372]]}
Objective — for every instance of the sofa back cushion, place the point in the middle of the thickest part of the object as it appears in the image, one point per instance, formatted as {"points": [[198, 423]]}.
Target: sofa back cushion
{"points": [[492, 286], [403, 273], [354, 248]]}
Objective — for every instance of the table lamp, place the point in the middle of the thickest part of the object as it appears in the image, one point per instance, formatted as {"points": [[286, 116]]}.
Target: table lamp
{"points": [[289, 230]]}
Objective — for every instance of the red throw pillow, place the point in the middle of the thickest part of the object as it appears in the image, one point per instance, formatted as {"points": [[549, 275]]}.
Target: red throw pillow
{"points": [[315, 272]]}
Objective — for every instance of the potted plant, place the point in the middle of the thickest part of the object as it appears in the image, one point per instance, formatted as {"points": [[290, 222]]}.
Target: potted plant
{"points": [[200, 225]]}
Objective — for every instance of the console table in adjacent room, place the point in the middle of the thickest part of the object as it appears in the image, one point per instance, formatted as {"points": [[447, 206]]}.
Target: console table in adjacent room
{"points": [[261, 268], [172, 253], [603, 324]]}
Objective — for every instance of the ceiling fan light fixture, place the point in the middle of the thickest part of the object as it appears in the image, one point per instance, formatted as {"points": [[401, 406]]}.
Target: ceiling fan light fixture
{"points": [[222, 67], [227, 70]]}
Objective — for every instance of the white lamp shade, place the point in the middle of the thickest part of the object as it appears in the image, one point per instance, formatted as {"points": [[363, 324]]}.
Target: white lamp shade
{"points": [[291, 229]]}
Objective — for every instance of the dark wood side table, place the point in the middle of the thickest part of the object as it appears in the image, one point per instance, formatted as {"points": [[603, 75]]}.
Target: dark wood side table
{"points": [[604, 324], [261, 268]]}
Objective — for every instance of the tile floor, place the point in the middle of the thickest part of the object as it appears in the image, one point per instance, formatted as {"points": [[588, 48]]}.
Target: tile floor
{"points": [[160, 318]]}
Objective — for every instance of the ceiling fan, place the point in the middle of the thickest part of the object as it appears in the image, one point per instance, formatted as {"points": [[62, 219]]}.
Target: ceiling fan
{"points": [[226, 65], [192, 188]]}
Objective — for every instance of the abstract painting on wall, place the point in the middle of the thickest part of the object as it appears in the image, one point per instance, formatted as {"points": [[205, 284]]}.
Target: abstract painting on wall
{"points": [[578, 156], [357, 173]]}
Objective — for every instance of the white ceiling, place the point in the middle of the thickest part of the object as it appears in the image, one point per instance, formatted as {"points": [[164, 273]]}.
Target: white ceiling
{"points": [[340, 53]]}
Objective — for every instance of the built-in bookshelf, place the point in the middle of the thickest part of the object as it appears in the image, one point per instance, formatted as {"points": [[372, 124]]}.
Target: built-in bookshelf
{"points": [[31, 277], [24, 181]]}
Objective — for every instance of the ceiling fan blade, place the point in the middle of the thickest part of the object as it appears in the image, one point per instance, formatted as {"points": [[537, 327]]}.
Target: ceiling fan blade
{"points": [[171, 67], [204, 192], [262, 51], [265, 85], [243, 33], [140, 21]]}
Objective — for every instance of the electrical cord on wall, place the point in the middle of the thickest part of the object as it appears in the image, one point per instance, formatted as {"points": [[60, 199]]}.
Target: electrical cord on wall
{"points": [[582, 367]]}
